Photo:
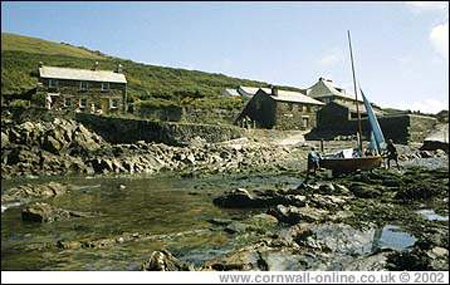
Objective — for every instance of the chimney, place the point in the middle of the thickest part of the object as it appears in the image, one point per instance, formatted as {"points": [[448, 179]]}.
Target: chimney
{"points": [[95, 67], [274, 91], [119, 68]]}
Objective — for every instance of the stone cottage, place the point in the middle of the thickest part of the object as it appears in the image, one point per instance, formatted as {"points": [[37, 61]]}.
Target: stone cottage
{"points": [[326, 91], [84, 90], [280, 109]]}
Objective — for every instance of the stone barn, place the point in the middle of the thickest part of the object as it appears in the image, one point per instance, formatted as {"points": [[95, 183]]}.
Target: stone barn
{"points": [[279, 109], [337, 119]]}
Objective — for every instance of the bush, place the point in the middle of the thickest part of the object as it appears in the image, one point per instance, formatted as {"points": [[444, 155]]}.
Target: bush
{"points": [[20, 103]]}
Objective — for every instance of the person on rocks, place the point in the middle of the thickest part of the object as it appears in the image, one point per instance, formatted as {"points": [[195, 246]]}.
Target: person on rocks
{"points": [[391, 154], [313, 162]]}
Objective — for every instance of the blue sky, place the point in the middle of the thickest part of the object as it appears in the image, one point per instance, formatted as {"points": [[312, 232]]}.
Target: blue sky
{"points": [[400, 48]]}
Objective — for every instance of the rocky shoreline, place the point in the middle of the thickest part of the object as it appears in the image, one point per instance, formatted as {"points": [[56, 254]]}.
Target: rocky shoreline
{"points": [[329, 223], [66, 147]]}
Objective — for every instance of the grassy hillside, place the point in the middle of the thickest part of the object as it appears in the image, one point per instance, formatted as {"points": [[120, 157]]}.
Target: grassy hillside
{"points": [[14, 42], [21, 55]]}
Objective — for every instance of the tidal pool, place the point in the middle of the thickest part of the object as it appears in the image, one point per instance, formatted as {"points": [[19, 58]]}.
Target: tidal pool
{"points": [[152, 205]]}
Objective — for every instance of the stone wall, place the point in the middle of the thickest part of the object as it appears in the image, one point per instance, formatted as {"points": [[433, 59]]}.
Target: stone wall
{"points": [[171, 114], [291, 116], [402, 128], [216, 115], [120, 130]]}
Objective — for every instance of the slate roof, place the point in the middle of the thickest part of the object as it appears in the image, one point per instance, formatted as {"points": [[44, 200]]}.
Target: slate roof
{"points": [[81, 74], [291, 96], [231, 92], [352, 107], [335, 91]]}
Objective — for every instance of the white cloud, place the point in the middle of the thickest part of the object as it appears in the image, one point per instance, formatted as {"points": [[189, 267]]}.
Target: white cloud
{"points": [[332, 57], [424, 6], [432, 106], [439, 39]]}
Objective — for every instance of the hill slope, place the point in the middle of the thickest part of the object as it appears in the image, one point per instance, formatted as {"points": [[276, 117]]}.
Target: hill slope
{"points": [[14, 42], [21, 56]]}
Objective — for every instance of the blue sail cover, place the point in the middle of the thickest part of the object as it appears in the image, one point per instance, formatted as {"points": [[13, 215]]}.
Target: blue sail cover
{"points": [[376, 133]]}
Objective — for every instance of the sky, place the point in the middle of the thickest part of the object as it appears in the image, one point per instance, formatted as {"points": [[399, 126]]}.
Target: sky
{"points": [[400, 48]]}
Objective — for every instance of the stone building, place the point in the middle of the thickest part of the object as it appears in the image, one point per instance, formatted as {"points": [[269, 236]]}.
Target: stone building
{"points": [[83, 90], [325, 91], [340, 119], [279, 109], [336, 114]]}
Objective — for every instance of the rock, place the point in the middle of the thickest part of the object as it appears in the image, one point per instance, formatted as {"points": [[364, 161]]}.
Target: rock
{"points": [[425, 154], [28, 191], [374, 262], [43, 213], [419, 191], [364, 191], [341, 189], [327, 201], [164, 261], [327, 188], [293, 215], [52, 145], [101, 165], [391, 183], [5, 139], [236, 227], [20, 154], [238, 198], [296, 233], [220, 222]]}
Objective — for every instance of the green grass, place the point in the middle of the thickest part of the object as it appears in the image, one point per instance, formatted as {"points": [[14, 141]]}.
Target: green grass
{"points": [[14, 42], [21, 56]]}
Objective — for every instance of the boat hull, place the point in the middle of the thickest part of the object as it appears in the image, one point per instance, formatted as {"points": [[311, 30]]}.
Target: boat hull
{"points": [[351, 164]]}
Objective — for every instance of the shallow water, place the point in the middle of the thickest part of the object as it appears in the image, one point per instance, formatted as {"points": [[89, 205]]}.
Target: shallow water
{"points": [[391, 236], [430, 215], [153, 205]]}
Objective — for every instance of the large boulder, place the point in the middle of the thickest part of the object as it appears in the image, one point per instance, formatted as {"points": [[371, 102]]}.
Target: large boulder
{"points": [[362, 190], [237, 198], [45, 213], [293, 215], [30, 191], [164, 261]]}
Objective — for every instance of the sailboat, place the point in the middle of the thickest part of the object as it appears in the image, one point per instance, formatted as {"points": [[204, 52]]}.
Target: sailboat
{"points": [[350, 160]]}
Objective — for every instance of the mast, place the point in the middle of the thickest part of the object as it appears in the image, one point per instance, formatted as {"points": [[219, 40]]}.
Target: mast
{"points": [[359, 131]]}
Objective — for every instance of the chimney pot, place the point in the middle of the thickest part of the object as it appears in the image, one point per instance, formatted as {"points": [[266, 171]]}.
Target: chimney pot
{"points": [[274, 91], [119, 68], [95, 67]]}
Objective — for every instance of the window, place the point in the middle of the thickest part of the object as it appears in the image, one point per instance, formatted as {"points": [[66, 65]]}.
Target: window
{"points": [[305, 121], [67, 102], [53, 83], [113, 103], [83, 103], [83, 86], [105, 86]]}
